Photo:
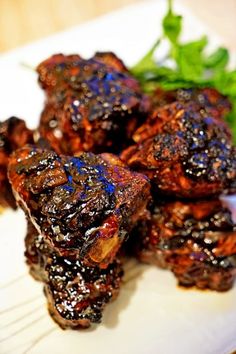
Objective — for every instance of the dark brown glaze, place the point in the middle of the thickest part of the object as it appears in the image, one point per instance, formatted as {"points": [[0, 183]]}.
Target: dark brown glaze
{"points": [[92, 105], [169, 105], [184, 151], [76, 294], [13, 135], [84, 206], [195, 240], [110, 59], [208, 99], [37, 250], [56, 71]]}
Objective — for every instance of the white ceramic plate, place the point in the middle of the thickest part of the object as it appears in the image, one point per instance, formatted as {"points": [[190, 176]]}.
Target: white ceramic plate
{"points": [[152, 315]]}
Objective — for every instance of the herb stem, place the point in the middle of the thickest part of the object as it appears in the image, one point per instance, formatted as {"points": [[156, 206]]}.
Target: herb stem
{"points": [[146, 60], [170, 3]]}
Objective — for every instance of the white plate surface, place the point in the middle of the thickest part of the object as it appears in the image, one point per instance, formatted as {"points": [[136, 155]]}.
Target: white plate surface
{"points": [[152, 315]]}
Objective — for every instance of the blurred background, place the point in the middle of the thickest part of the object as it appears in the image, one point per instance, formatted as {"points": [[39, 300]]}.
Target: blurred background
{"points": [[23, 21]]}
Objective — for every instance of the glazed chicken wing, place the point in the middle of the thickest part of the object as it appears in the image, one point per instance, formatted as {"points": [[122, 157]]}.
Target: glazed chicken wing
{"points": [[92, 105], [184, 151], [195, 240], [83, 206]]}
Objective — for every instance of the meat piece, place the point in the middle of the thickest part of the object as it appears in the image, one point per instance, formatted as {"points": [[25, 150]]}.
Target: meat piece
{"points": [[37, 251], [76, 294], [83, 206], [208, 102], [92, 105], [190, 154], [195, 240], [112, 60], [60, 74], [76, 125], [208, 99], [13, 135], [56, 71], [160, 97]]}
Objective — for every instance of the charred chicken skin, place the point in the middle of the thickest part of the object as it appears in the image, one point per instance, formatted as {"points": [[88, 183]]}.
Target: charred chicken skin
{"points": [[13, 135], [92, 105], [195, 240], [208, 99], [76, 293], [83, 206], [184, 151]]}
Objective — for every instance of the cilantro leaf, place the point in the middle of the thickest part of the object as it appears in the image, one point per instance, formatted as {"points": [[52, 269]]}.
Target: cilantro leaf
{"points": [[172, 25], [147, 62], [189, 59], [217, 60]]}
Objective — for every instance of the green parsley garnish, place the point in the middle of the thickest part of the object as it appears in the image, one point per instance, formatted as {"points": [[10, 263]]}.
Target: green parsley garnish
{"points": [[192, 67]]}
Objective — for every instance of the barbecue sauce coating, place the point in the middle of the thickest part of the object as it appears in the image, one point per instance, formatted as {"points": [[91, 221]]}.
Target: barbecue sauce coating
{"points": [[13, 135], [208, 99], [76, 293], [184, 151], [195, 240], [92, 105], [83, 206]]}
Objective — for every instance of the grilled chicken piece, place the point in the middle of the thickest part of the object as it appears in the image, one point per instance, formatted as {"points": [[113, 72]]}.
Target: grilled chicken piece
{"points": [[62, 72], [208, 99], [184, 151], [195, 240], [83, 206], [92, 105], [57, 71], [76, 294], [13, 135], [112, 60]]}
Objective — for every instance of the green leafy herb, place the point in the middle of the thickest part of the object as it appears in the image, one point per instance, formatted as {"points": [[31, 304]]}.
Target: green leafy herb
{"points": [[189, 59], [172, 25], [147, 62], [217, 60], [192, 67]]}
